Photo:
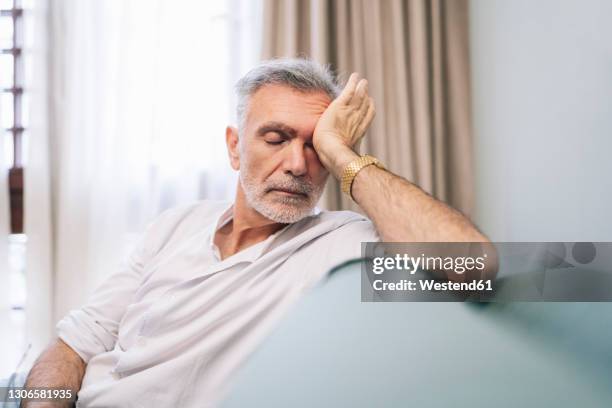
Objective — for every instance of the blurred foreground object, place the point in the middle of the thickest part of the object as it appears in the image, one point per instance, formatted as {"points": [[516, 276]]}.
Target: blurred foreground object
{"points": [[334, 351]]}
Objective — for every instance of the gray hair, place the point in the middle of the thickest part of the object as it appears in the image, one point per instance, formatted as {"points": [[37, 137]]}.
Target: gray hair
{"points": [[298, 73]]}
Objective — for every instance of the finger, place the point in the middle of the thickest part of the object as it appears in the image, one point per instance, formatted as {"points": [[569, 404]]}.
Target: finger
{"points": [[360, 94], [366, 100], [349, 89], [368, 117], [371, 111], [361, 111]]}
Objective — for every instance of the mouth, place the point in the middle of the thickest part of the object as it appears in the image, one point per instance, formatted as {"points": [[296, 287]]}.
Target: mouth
{"points": [[288, 193]]}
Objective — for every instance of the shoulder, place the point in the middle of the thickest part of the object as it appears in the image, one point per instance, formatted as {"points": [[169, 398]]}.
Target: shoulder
{"points": [[342, 227], [347, 216], [349, 222], [196, 212]]}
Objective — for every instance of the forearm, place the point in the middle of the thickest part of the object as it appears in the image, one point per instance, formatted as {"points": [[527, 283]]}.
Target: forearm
{"points": [[401, 211], [57, 367]]}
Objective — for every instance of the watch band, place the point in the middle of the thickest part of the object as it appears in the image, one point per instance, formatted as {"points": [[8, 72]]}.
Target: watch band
{"points": [[350, 172]]}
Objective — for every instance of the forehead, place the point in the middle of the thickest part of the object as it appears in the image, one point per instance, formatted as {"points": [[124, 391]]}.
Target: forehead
{"points": [[287, 105]]}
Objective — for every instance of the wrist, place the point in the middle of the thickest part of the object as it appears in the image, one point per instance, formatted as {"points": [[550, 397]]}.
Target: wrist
{"points": [[353, 169], [336, 161]]}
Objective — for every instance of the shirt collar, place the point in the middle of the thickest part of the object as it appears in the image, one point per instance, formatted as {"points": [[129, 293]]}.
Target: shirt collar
{"points": [[226, 216]]}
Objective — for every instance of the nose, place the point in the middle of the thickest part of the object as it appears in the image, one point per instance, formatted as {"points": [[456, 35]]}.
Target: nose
{"points": [[295, 161]]}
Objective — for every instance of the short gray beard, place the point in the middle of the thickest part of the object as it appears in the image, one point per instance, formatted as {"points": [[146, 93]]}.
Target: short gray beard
{"points": [[285, 210]]}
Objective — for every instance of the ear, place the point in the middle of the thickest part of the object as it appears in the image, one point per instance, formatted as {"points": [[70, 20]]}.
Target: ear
{"points": [[231, 140]]}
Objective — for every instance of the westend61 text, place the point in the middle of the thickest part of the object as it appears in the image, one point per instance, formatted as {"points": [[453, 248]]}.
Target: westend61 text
{"points": [[433, 285]]}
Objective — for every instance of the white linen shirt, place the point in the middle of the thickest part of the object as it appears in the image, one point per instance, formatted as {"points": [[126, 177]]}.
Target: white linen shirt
{"points": [[175, 323]]}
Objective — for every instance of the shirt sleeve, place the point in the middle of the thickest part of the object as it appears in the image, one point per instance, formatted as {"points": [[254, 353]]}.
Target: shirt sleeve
{"points": [[93, 328]]}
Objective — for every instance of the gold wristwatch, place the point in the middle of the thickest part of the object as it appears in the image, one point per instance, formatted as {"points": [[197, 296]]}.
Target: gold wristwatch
{"points": [[354, 167]]}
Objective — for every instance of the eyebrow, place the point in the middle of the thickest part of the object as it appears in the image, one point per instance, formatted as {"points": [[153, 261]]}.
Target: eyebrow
{"points": [[279, 127]]}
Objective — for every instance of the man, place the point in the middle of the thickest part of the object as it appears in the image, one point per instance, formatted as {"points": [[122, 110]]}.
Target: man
{"points": [[210, 280]]}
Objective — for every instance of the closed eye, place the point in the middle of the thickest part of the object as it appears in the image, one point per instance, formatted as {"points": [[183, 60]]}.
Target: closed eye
{"points": [[275, 137], [274, 142]]}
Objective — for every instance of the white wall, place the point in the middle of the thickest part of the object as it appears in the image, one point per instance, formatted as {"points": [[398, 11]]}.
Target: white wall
{"points": [[542, 89]]}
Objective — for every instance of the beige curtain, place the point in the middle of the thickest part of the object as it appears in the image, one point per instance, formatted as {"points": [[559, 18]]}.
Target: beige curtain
{"points": [[416, 59]]}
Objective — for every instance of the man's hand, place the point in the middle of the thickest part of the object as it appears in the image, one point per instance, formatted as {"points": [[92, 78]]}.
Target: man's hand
{"points": [[343, 124]]}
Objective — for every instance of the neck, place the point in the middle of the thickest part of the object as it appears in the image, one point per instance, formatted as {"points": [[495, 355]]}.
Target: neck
{"points": [[247, 228], [247, 220]]}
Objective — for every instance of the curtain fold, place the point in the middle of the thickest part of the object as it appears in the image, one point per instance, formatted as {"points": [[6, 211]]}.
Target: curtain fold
{"points": [[415, 56]]}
